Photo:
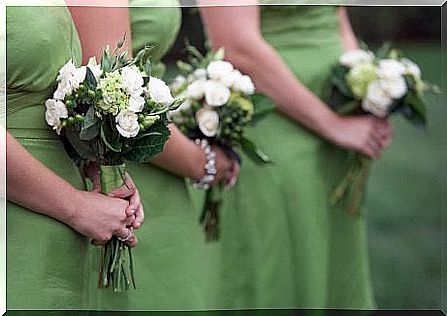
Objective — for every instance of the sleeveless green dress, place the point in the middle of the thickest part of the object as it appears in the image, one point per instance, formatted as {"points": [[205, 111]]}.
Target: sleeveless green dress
{"points": [[168, 261], [45, 258], [282, 245]]}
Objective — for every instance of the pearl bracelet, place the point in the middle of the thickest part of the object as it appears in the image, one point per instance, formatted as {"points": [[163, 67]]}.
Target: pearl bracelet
{"points": [[210, 166]]}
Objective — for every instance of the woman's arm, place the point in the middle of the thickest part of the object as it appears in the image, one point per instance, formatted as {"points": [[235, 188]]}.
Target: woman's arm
{"points": [[180, 156], [248, 51], [348, 38], [183, 157], [37, 188], [100, 26]]}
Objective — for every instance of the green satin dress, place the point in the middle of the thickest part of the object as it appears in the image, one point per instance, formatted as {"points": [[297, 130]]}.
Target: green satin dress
{"points": [[282, 245], [45, 258], [168, 262]]}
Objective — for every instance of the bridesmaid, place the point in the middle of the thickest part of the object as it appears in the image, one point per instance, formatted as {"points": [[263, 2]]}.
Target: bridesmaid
{"points": [[168, 258], [282, 244], [50, 218]]}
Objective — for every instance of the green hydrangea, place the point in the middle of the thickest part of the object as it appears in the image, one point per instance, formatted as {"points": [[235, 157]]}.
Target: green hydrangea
{"points": [[243, 103], [114, 98], [359, 78]]}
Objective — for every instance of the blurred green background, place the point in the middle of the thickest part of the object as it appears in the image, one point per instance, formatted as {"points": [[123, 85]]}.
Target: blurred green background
{"points": [[407, 189]]}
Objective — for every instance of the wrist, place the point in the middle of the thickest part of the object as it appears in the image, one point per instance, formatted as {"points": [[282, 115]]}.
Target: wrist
{"points": [[330, 126], [196, 171], [70, 209], [209, 168]]}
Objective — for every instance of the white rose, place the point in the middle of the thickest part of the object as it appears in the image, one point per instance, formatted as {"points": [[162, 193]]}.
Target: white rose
{"points": [[62, 90], [127, 123], [200, 73], [390, 68], [69, 79], [178, 82], [355, 57], [132, 80], [377, 101], [196, 89], [218, 69], [55, 110], [411, 68], [244, 85], [396, 87], [216, 94], [136, 103], [229, 79], [208, 121], [159, 91]]}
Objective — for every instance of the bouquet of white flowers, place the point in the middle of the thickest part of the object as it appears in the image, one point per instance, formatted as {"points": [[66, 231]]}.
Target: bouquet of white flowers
{"points": [[381, 84], [107, 114], [218, 106]]}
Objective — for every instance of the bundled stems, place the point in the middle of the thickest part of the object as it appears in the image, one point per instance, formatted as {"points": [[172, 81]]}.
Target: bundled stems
{"points": [[353, 185], [210, 213], [116, 264]]}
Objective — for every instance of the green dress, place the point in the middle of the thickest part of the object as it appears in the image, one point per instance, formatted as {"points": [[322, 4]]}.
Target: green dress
{"points": [[282, 245], [168, 257], [45, 258]]}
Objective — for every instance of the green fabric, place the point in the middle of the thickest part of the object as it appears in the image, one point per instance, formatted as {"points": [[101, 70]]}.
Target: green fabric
{"points": [[168, 259], [154, 23], [281, 244], [45, 258]]}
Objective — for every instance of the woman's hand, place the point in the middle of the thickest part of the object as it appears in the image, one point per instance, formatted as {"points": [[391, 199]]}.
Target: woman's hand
{"points": [[134, 211], [227, 169], [127, 191], [100, 217], [366, 134]]}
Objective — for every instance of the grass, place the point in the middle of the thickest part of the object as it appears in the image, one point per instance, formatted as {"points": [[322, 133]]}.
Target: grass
{"points": [[407, 193]]}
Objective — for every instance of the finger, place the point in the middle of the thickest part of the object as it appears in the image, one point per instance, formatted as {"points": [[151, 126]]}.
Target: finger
{"points": [[139, 217], [130, 220], [125, 191], [96, 242], [233, 175], [386, 141], [134, 203], [132, 242], [375, 148], [123, 232]]}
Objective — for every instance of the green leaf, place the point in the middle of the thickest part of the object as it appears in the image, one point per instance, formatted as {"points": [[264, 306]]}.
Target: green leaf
{"points": [[148, 67], [253, 152], [414, 109], [219, 54], [109, 140], [142, 149], [90, 80], [348, 108], [262, 107], [194, 52], [184, 66], [106, 62], [79, 149], [338, 79], [384, 51], [90, 126]]}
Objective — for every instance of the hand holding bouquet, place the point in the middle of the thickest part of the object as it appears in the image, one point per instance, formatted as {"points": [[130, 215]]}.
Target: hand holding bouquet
{"points": [[379, 85], [218, 107], [107, 114]]}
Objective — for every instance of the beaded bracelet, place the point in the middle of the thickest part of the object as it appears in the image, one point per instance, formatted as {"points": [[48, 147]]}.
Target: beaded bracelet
{"points": [[210, 166]]}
